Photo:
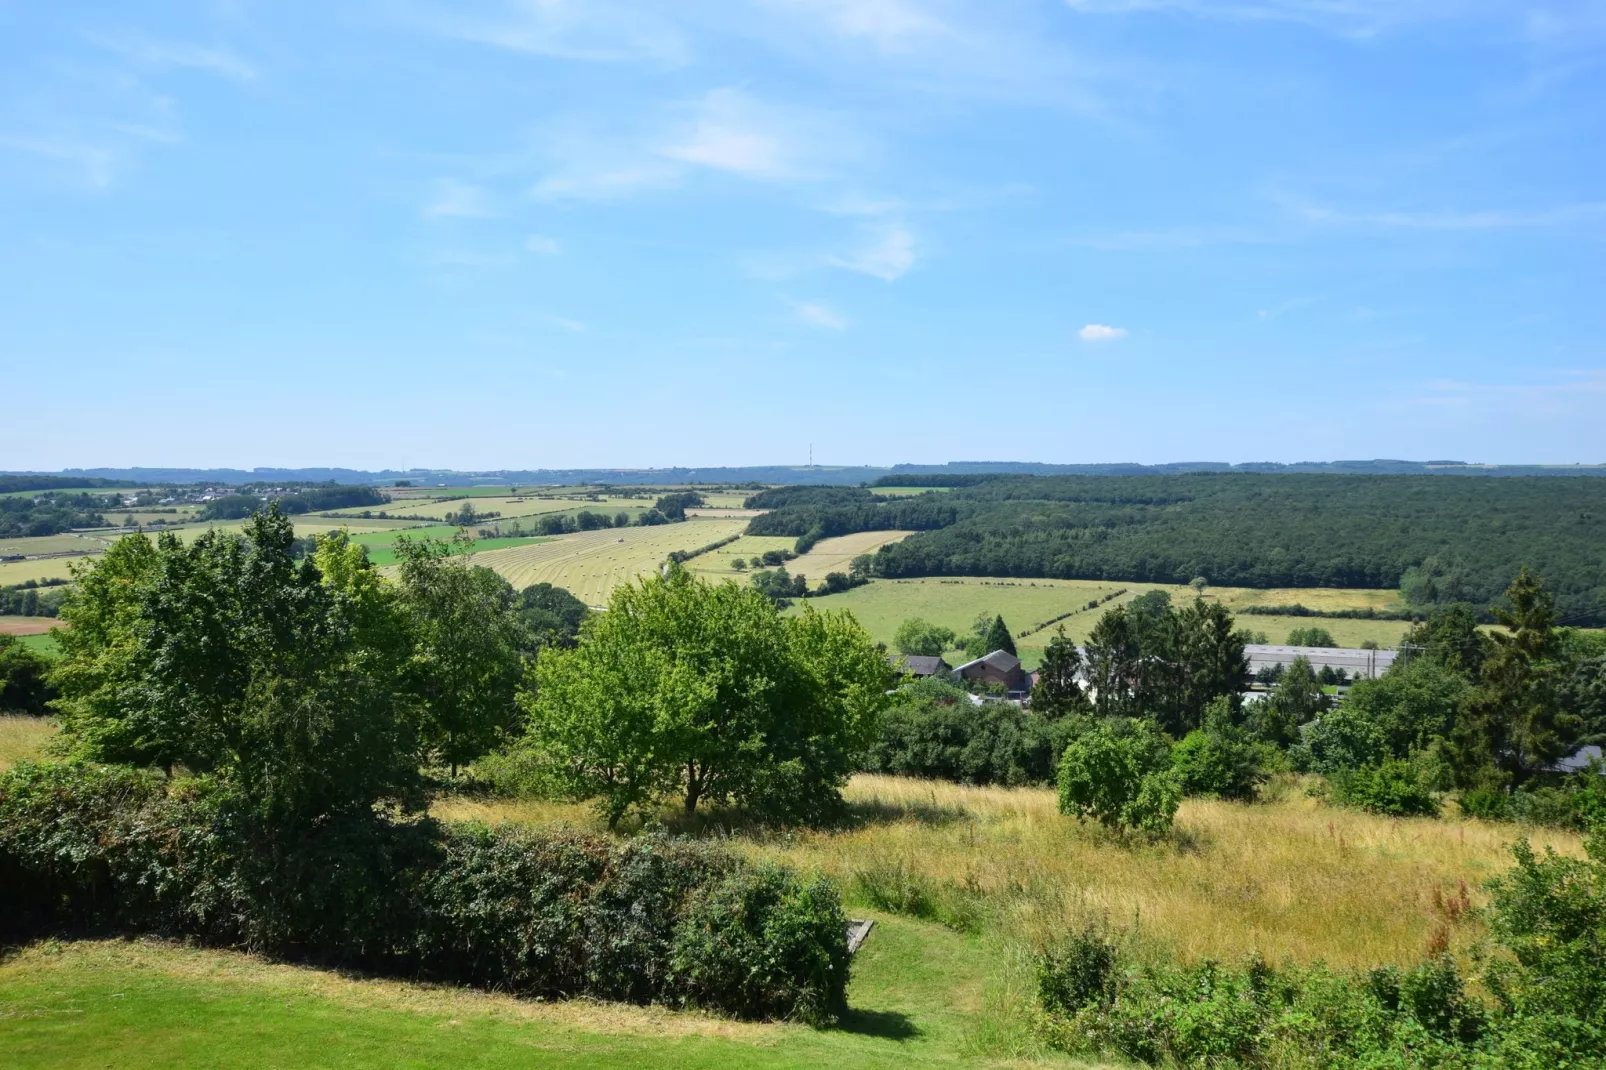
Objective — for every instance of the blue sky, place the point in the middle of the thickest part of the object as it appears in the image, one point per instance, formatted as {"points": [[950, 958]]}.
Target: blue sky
{"points": [[542, 233]]}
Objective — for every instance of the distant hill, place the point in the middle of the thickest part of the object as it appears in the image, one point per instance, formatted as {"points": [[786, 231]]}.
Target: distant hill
{"points": [[850, 475]]}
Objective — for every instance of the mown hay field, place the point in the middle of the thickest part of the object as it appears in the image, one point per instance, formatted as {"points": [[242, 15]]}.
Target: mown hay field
{"points": [[716, 564], [65, 543], [590, 564], [26, 625], [511, 507], [1289, 879], [836, 554]]}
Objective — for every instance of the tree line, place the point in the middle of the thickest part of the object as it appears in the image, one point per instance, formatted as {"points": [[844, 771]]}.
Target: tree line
{"points": [[1439, 540], [310, 499]]}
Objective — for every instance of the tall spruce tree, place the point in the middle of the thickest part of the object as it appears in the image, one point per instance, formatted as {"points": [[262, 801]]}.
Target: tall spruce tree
{"points": [[998, 637], [1057, 692], [1514, 723]]}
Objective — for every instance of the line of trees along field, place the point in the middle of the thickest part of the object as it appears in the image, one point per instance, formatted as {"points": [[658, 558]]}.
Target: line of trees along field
{"points": [[1439, 540]]}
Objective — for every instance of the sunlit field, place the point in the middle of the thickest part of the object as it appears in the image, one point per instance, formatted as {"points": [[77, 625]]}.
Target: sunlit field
{"points": [[1290, 879]]}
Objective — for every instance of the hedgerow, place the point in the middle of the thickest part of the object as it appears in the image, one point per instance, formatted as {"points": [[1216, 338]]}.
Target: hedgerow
{"points": [[556, 914]]}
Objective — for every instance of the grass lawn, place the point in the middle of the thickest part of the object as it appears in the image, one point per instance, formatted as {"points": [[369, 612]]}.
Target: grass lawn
{"points": [[41, 643], [919, 998]]}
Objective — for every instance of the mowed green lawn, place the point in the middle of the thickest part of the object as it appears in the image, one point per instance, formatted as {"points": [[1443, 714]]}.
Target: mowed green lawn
{"points": [[920, 997]]}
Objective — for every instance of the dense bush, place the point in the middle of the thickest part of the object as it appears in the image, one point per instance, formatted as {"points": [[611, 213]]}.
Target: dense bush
{"points": [[552, 913], [1395, 787], [933, 730], [1207, 1014], [23, 684], [1119, 773], [1575, 802], [1220, 759]]}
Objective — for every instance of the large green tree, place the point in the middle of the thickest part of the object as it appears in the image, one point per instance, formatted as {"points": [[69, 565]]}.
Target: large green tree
{"points": [[706, 691], [229, 657], [467, 654], [1514, 721]]}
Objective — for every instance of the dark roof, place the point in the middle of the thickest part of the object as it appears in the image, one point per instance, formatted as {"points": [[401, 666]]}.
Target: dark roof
{"points": [[918, 664], [1577, 761], [1002, 660]]}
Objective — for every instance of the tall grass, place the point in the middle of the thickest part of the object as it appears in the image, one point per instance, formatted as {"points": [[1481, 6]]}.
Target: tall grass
{"points": [[23, 737], [1290, 879]]}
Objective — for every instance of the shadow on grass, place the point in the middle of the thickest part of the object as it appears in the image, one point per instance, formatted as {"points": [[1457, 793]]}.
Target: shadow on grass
{"points": [[888, 1025], [877, 812]]}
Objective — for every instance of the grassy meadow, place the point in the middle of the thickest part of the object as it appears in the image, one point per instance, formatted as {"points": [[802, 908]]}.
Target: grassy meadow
{"points": [[23, 737], [592, 563], [836, 554], [956, 601]]}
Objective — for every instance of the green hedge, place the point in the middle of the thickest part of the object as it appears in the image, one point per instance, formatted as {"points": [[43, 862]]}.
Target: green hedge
{"points": [[553, 914]]}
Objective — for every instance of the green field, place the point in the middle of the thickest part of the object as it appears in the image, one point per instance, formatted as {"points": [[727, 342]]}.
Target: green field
{"points": [[44, 643], [916, 992], [591, 563], [510, 507], [954, 602], [716, 564], [65, 543], [907, 492]]}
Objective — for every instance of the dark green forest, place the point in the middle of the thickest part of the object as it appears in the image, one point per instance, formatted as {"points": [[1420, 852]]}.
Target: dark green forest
{"points": [[1443, 540]]}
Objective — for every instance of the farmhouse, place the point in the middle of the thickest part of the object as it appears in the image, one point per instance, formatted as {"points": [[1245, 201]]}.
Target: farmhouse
{"points": [[1357, 664], [999, 667], [919, 666]]}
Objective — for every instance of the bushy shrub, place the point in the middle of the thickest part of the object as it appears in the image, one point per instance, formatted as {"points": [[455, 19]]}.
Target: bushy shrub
{"points": [[1095, 1004], [1220, 759], [536, 913], [1394, 787], [1576, 802], [1119, 774], [933, 730], [1341, 738]]}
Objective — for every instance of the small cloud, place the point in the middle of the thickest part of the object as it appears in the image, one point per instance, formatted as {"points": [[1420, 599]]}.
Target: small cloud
{"points": [[818, 315], [542, 245], [149, 52], [732, 134], [569, 325], [1099, 332], [458, 200], [886, 258]]}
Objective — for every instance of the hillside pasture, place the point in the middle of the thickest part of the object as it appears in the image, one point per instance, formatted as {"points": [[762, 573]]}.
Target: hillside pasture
{"points": [[955, 602], [716, 564], [23, 738], [511, 507], [47, 568], [65, 543], [590, 564], [836, 554]]}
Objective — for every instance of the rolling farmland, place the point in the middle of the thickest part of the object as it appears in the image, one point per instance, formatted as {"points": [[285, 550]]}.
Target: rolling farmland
{"points": [[590, 564], [834, 555], [954, 602]]}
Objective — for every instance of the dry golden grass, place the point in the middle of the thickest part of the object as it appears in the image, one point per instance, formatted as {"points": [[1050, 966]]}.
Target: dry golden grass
{"points": [[836, 554], [23, 737], [1290, 879], [27, 625]]}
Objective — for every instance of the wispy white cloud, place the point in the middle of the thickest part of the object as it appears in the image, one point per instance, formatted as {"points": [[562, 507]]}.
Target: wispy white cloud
{"points": [[732, 132], [569, 325], [818, 315], [542, 245], [596, 31], [149, 52], [1099, 332], [458, 200], [887, 257], [95, 165], [1560, 215], [890, 25]]}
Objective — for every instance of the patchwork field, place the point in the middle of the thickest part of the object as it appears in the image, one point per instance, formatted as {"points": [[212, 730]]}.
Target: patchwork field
{"points": [[511, 507], [835, 555], [592, 563], [716, 564], [955, 602], [66, 543], [50, 568], [26, 625]]}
